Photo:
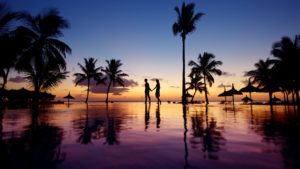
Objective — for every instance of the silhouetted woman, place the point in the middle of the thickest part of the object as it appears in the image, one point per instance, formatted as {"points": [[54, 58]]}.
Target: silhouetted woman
{"points": [[157, 92], [147, 91]]}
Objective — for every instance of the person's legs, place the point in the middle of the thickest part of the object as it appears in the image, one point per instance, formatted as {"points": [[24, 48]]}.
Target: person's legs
{"points": [[147, 97]]}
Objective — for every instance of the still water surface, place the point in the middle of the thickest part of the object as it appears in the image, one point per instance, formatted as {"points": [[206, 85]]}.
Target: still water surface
{"points": [[139, 136]]}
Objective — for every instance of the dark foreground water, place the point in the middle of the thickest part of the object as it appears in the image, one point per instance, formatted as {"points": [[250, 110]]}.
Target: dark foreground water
{"points": [[135, 136]]}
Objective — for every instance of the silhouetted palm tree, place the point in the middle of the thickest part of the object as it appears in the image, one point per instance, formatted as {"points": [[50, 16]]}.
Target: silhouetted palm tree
{"points": [[206, 66], [43, 53], [264, 76], [52, 76], [114, 74], [90, 71], [195, 84], [287, 52], [7, 42], [186, 23]]}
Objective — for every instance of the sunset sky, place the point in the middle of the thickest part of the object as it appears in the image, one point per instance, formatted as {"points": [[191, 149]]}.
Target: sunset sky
{"points": [[139, 33]]}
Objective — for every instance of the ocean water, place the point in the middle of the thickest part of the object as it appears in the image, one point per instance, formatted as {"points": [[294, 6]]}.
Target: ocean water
{"points": [[138, 136]]}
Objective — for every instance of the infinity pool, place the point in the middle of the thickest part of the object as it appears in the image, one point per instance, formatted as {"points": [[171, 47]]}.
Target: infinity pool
{"points": [[138, 136]]}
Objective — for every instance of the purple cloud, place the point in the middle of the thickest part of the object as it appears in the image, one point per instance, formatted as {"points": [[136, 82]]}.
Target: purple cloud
{"points": [[115, 90], [17, 79], [154, 79], [227, 74], [245, 82], [223, 85]]}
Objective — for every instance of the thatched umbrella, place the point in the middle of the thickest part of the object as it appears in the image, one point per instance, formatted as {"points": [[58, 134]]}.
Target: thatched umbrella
{"points": [[249, 88], [224, 94], [246, 99], [69, 97], [233, 92]]}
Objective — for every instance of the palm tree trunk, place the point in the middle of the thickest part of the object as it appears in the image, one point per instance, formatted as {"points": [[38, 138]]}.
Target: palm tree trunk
{"points": [[183, 99], [5, 78], [297, 99], [271, 101], [250, 98], [88, 91], [287, 97], [293, 97], [194, 95], [205, 90], [284, 97], [36, 92], [107, 92]]}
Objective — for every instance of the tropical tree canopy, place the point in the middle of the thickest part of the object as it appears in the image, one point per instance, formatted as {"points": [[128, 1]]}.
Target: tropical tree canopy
{"points": [[43, 55], [206, 66], [186, 19], [114, 74], [264, 75], [90, 71], [40, 35], [287, 54]]}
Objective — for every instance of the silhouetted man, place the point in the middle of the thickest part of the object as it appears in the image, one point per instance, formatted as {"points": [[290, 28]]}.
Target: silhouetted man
{"points": [[147, 91]]}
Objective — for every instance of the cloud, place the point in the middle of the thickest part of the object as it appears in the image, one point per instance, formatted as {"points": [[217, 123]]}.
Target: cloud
{"points": [[227, 74], [154, 79], [115, 90], [223, 85], [176, 87], [17, 79], [245, 82]]}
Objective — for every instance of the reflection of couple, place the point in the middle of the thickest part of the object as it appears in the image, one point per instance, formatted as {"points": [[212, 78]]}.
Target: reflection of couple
{"points": [[148, 89]]}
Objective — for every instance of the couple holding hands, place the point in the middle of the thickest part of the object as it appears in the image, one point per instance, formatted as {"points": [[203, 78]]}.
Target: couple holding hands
{"points": [[148, 89]]}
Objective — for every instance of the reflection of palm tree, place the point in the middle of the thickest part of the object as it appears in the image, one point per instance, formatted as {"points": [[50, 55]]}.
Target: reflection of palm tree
{"points": [[186, 150], [112, 129], [197, 127], [114, 74], [206, 66], [87, 131], [284, 134], [90, 71], [43, 57], [186, 23], [38, 147], [86, 135], [212, 138], [263, 75], [112, 137]]}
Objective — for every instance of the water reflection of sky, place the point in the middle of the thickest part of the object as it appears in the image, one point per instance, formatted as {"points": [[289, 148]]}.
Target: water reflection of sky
{"points": [[135, 135]]}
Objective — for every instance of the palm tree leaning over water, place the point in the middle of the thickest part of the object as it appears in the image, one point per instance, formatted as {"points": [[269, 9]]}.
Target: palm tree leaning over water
{"points": [[206, 66], [195, 84], [287, 54], [186, 23], [264, 76], [90, 71], [43, 55], [114, 74], [7, 40]]}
